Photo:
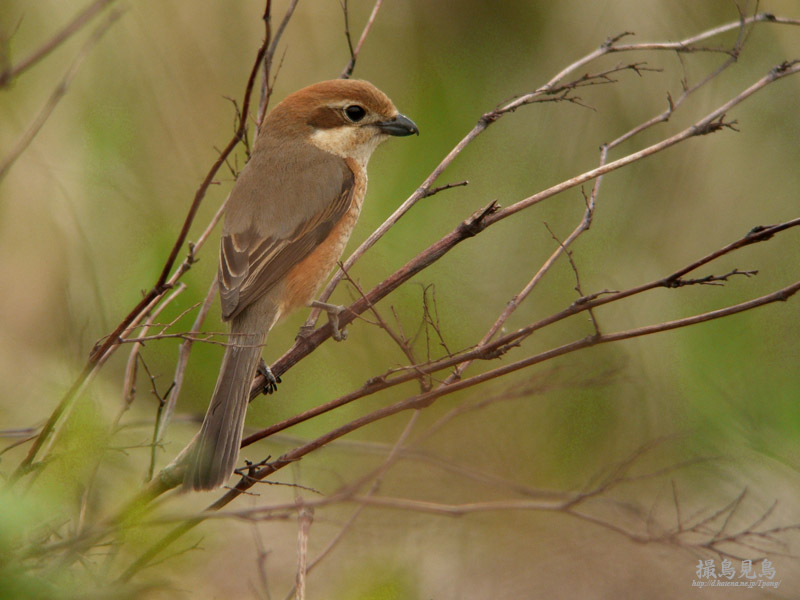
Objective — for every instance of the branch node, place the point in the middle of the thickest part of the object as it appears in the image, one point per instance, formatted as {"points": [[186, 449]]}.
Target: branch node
{"points": [[489, 118], [501, 350], [760, 233], [714, 125], [589, 298], [191, 257], [609, 43], [425, 192], [475, 223], [676, 282], [671, 107], [783, 67], [373, 381]]}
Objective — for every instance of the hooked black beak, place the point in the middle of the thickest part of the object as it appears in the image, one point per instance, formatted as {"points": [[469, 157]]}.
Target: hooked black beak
{"points": [[401, 125]]}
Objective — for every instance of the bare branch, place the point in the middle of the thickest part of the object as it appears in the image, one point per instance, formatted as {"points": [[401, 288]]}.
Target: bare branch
{"points": [[58, 93], [492, 346], [348, 70], [101, 352], [304, 518], [73, 27], [492, 214]]}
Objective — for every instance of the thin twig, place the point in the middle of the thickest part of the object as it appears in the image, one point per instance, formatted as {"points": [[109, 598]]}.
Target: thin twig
{"points": [[70, 29], [348, 70], [490, 349], [165, 416], [304, 519], [609, 46], [104, 350], [58, 93], [129, 380], [713, 121]]}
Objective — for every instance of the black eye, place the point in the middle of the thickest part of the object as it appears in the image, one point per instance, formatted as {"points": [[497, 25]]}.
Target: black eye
{"points": [[355, 113]]}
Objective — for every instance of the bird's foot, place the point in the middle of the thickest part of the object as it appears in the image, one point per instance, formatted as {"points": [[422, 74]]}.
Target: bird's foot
{"points": [[305, 331], [272, 381], [333, 310]]}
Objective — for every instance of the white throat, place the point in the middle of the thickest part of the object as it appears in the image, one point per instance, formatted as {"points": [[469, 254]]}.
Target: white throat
{"points": [[356, 143]]}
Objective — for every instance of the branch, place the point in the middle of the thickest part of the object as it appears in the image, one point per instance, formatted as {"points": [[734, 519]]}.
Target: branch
{"points": [[101, 352], [73, 27], [608, 47], [58, 93], [493, 214], [489, 350], [348, 70]]}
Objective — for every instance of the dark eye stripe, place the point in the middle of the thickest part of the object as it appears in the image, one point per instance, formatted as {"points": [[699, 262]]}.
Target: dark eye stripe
{"points": [[326, 118]]}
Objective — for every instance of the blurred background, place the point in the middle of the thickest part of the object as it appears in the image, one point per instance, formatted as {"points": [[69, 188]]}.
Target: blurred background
{"points": [[89, 212]]}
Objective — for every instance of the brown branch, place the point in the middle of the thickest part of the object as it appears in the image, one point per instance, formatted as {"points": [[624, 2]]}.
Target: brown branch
{"points": [[73, 27], [608, 47], [58, 93], [348, 70], [425, 399], [493, 214], [488, 350], [269, 57], [469, 228], [687, 45], [266, 88], [102, 351], [685, 535]]}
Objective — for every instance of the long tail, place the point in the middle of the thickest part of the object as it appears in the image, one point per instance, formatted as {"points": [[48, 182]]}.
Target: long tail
{"points": [[214, 450]]}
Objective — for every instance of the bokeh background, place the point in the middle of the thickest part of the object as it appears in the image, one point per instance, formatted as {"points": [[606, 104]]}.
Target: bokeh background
{"points": [[90, 210]]}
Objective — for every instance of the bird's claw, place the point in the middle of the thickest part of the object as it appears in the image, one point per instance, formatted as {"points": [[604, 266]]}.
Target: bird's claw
{"points": [[272, 382]]}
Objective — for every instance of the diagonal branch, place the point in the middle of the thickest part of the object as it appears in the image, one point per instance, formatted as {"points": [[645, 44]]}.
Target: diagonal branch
{"points": [[58, 93], [712, 122], [70, 29], [608, 47], [348, 70], [493, 349], [101, 352]]}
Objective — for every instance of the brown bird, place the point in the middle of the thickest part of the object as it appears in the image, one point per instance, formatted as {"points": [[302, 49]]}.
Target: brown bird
{"points": [[289, 216]]}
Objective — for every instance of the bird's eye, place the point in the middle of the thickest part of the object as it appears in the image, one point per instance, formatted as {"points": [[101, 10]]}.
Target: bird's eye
{"points": [[355, 113]]}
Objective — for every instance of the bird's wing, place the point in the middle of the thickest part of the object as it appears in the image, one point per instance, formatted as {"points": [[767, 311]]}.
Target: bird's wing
{"points": [[258, 250]]}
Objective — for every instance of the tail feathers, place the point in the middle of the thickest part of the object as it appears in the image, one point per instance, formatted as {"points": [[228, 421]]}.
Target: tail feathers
{"points": [[212, 457]]}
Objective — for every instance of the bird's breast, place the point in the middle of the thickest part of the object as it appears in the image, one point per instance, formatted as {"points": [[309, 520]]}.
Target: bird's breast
{"points": [[304, 280]]}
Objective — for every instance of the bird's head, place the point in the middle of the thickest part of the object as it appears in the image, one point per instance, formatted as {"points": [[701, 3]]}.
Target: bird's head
{"points": [[346, 117]]}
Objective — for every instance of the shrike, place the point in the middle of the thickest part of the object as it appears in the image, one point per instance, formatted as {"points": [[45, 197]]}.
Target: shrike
{"points": [[289, 216]]}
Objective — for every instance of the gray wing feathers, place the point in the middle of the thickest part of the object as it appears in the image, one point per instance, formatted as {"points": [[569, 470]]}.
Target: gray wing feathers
{"points": [[296, 210]]}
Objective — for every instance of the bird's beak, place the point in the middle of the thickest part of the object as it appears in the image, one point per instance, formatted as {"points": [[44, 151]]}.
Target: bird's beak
{"points": [[400, 125]]}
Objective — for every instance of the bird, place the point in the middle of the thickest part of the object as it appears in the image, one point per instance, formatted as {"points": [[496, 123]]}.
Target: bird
{"points": [[289, 216]]}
